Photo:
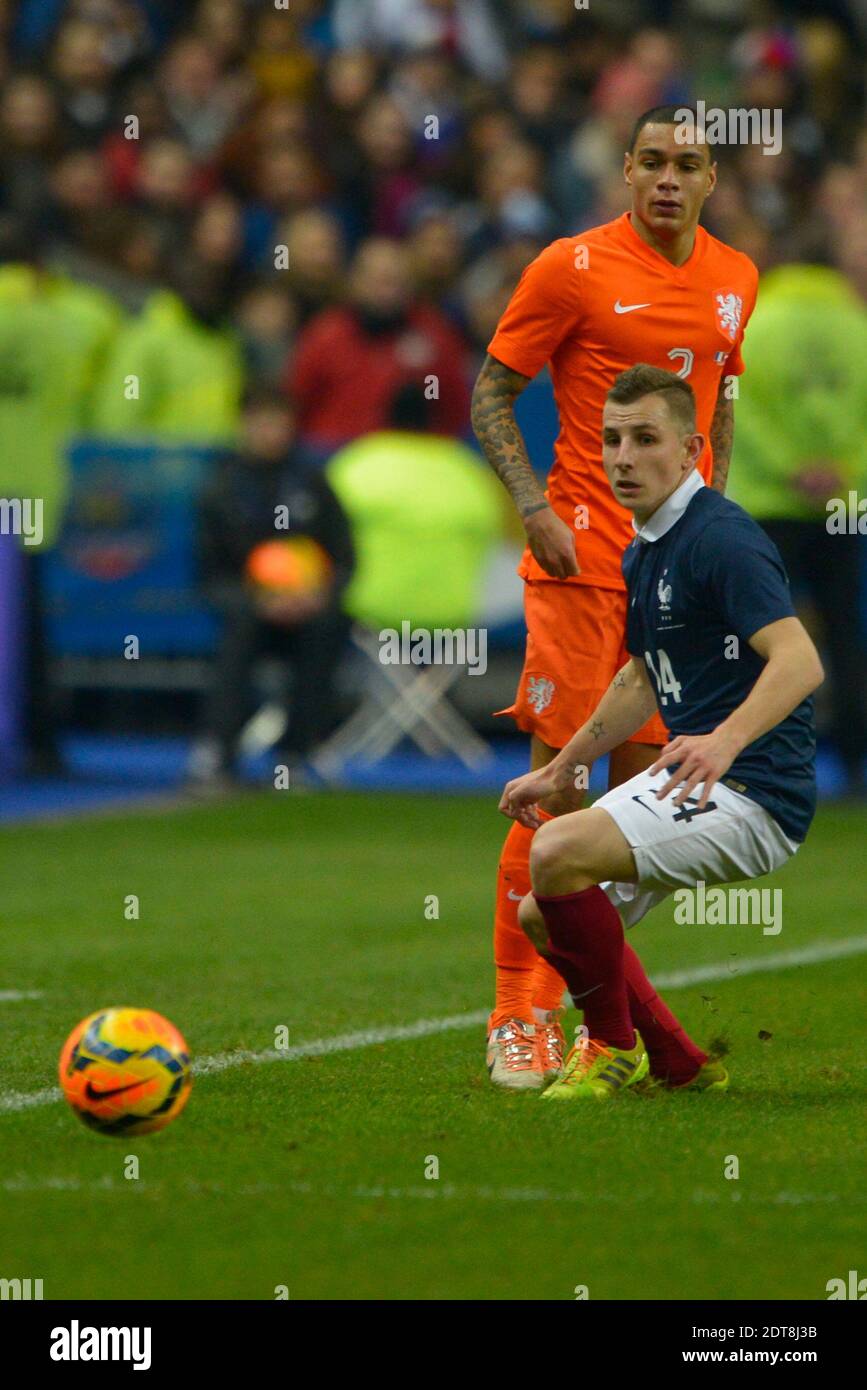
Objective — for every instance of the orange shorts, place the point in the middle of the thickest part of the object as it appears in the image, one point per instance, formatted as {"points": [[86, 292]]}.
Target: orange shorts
{"points": [[575, 647]]}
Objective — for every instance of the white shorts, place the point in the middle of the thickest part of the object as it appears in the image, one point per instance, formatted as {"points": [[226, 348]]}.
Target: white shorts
{"points": [[676, 847]]}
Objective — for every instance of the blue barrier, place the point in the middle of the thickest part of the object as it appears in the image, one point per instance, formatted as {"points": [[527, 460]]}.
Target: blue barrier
{"points": [[125, 561]]}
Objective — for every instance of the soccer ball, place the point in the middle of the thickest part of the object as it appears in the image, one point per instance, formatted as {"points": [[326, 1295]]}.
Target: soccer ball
{"points": [[125, 1071]]}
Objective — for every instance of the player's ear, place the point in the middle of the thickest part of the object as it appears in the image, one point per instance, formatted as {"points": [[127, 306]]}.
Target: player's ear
{"points": [[695, 447], [627, 167], [711, 178]]}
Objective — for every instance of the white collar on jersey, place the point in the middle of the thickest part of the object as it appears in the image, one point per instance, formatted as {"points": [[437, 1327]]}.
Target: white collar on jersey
{"points": [[671, 510]]}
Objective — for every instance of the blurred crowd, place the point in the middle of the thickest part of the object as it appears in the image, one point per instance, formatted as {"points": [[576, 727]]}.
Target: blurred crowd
{"points": [[262, 187], [324, 205]]}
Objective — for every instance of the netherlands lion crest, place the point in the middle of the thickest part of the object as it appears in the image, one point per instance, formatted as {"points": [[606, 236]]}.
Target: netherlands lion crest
{"points": [[729, 307], [540, 692]]}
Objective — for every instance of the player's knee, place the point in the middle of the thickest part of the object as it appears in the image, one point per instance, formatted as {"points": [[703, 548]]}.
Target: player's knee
{"points": [[562, 850], [546, 854]]}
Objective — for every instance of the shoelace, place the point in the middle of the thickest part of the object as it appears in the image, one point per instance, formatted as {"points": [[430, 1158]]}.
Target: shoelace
{"points": [[518, 1050], [551, 1043], [588, 1051]]}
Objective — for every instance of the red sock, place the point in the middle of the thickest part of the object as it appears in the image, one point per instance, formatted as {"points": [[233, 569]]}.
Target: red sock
{"points": [[673, 1056], [586, 939]]}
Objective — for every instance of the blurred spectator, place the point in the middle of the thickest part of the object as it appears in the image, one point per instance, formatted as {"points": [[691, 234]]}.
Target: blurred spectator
{"points": [[167, 188], [347, 84], [426, 84], [350, 361], [537, 97], [265, 318], [386, 183], [649, 74], [279, 61], [436, 255], [287, 180], [272, 124], [122, 148], [30, 140], [400, 486], [176, 370], [203, 101], [81, 201], [316, 271], [465, 28], [217, 234], [54, 335], [307, 632], [799, 442], [84, 75], [223, 26], [512, 202]]}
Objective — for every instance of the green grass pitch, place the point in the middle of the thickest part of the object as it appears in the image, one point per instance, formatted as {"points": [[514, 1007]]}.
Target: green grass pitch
{"points": [[309, 912]]}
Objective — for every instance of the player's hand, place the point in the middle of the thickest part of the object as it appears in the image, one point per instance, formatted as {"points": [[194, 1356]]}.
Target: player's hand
{"points": [[552, 543], [700, 759], [521, 796]]}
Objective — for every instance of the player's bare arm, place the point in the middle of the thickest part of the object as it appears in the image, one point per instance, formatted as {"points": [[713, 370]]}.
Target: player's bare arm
{"points": [[628, 703], [792, 672], [722, 433], [549, 538]]}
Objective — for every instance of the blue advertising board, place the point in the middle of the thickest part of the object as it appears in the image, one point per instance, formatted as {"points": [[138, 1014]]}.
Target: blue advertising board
{"points": [[125, 561]]}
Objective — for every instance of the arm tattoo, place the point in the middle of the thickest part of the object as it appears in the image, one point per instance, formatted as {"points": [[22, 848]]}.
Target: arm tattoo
{"points": [[619, 680], [597, 729], [722, 431], [497, 431]]}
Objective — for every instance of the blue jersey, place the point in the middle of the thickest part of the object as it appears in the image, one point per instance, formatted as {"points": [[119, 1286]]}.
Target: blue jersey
{"points": [[702, 578]]}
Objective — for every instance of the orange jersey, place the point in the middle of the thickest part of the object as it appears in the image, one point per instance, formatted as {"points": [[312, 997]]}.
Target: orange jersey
{"points": [[593, 305]]}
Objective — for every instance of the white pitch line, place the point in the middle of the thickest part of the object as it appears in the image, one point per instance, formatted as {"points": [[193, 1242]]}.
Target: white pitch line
{"points": [[760, 965], [28, 1100], [343, 1042], [428, 1027], [12, 996], [438, 1192]]}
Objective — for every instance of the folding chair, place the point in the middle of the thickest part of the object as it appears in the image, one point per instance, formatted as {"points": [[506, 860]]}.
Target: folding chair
{"points": [[426, 515], [401, 701]]}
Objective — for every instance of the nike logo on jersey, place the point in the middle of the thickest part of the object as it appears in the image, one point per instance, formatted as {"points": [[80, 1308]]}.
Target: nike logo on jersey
{"points": [[516, 897], [628, 308]]}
